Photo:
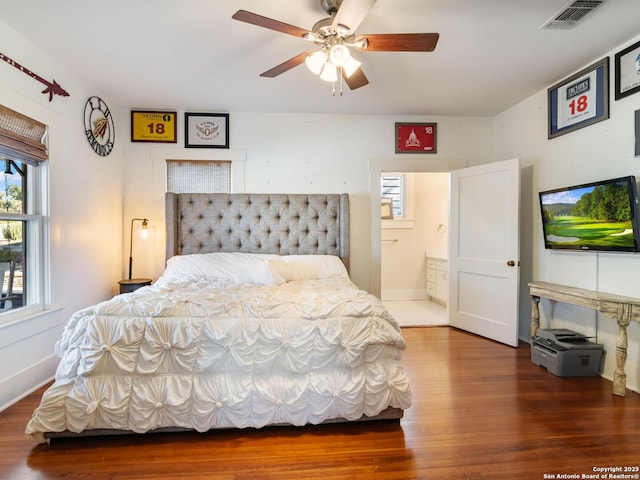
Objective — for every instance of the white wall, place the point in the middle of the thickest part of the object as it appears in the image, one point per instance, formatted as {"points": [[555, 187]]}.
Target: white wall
{"points": [[597, 152], [85, 192]]}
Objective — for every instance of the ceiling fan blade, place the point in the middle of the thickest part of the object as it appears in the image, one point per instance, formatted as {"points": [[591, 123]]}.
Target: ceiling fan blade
{"points": [[400, 42], [286, 66], [352, 12], [260, 21], [356, 80]]}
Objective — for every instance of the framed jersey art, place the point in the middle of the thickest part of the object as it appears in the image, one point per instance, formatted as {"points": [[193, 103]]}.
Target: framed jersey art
{"points": [[580, 100]]}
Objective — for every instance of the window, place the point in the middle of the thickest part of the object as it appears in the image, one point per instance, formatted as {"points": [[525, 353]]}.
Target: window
{"points": [[22, 223], [399, 188], [198, 176], [14, 235], [392, 186]]}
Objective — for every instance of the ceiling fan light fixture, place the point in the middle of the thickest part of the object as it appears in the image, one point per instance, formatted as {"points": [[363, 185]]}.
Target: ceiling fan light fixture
{"points": [[334, 37], [315, 61], [339, 55], [329, 73], [351, 66]]}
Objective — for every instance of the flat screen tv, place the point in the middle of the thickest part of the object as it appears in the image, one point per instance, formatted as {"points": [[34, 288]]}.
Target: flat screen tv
{"points": [[598, 216]]}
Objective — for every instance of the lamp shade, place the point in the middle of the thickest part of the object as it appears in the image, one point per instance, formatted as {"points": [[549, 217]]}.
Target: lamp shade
{"points": [[339, 55], [351, 66], [315, 61], [329, 73]]}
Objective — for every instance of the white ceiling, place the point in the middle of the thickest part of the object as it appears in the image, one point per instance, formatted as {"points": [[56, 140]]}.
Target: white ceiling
{"points": [[191, 55]]}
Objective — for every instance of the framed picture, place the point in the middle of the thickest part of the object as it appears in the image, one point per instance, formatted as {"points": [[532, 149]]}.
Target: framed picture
{"points": [[206, 130], [627, 71], [637, 130], [153, 126], [416, 137], [580, 100]]}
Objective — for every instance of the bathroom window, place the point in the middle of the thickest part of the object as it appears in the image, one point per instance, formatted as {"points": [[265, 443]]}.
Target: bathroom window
{"points": [[392, 186], [399, 188]]}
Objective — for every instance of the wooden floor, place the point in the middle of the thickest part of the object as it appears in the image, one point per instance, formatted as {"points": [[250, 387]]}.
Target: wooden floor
{"points": [[481, 410]]}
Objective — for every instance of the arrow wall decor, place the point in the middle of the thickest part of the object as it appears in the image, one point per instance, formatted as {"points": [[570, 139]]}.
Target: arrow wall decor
{"points": [[53, 88]]}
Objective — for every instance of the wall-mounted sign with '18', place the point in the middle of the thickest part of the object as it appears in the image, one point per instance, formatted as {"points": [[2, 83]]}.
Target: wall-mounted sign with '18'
{"points": [[153, 126], [580, 100]]}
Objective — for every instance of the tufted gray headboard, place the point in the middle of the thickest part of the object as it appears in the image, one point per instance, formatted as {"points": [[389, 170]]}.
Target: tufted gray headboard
{"points": [[286, 224]]}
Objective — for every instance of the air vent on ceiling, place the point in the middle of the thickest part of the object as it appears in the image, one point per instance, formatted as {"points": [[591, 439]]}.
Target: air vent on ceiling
{"points": [[572, 13]]}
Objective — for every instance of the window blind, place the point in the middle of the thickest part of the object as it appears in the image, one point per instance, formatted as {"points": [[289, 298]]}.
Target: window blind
{"points": [[22, 138], [198, 176], [392, 186]]}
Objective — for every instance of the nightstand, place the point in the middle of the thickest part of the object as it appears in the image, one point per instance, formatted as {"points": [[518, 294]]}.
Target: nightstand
{"points": [[132, 284]]}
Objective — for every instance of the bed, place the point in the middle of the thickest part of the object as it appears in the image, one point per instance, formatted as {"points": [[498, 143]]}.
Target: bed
{"points": [[254, 322]]}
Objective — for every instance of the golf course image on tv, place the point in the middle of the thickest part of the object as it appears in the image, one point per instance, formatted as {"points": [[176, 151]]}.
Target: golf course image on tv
{"points": [[596, 216]]}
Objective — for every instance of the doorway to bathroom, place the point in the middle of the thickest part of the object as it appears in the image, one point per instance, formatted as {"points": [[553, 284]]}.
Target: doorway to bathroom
{"points": [[413, 247]]}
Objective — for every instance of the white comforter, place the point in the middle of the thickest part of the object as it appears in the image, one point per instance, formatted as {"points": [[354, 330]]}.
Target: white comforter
{"points": [[205, 353]]}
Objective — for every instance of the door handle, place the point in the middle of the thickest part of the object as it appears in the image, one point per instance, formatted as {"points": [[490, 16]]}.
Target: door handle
{"points": [[511, 263]]}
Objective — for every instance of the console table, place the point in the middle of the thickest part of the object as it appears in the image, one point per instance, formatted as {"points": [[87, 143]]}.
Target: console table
{"points": [[623, 310]]}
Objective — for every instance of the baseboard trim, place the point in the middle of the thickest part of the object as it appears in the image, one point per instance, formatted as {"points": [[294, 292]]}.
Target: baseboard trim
{"points": [[25, 382]]}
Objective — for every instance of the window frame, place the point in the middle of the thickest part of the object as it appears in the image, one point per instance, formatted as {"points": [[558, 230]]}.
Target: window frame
{"points": [[36, 264], [160, 155], [213, 181], [407, 220]]}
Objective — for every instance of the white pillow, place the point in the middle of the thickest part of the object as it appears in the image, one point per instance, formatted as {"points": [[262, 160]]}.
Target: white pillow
{"points": [[238, 267], [311, 267], [270, 272]]}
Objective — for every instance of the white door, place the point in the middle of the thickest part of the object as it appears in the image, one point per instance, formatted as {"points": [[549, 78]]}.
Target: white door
{"points": [[484, 250]]}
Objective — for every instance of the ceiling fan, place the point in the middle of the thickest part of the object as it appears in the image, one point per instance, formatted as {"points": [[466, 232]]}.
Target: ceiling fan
{"points": [[334, 36]]}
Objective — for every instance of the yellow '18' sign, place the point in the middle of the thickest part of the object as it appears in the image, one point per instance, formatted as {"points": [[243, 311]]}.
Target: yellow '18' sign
{"points": [[147, 126]]}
